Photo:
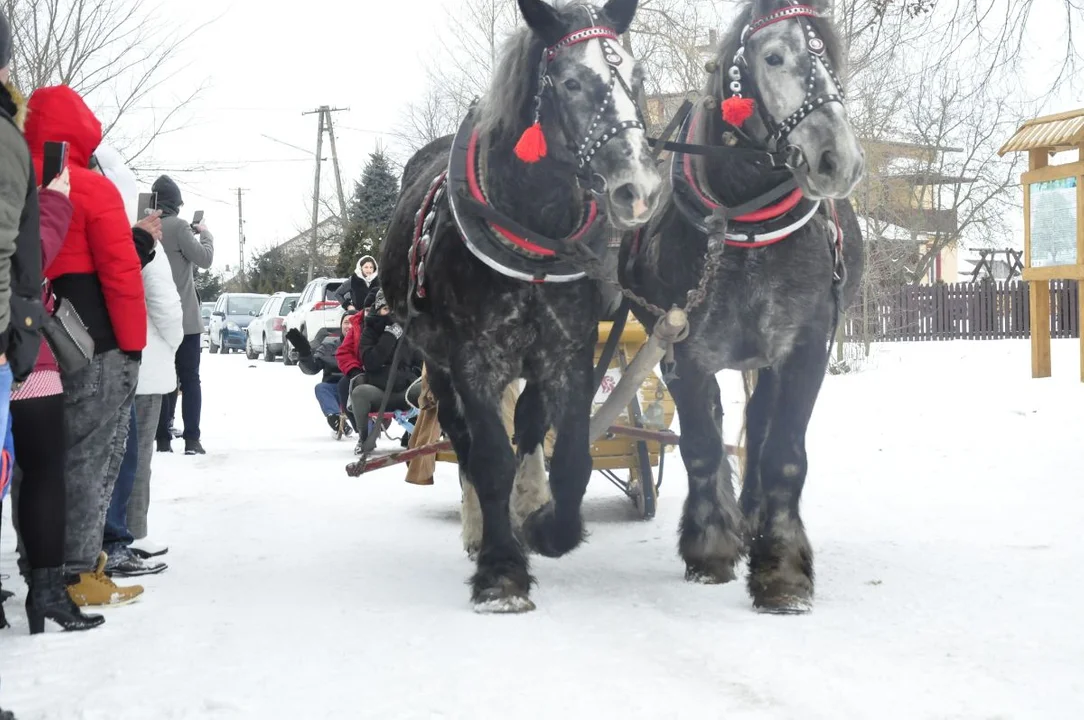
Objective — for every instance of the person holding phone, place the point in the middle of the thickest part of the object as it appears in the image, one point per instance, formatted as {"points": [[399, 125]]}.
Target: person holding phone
{"points": [[187, 248], [99, 273]]}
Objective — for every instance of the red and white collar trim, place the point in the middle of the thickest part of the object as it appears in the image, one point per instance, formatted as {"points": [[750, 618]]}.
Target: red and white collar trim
{"points": [[755, 234]]}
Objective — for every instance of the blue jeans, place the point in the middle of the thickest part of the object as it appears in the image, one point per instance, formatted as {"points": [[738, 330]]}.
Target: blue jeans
{"points": [[187, 365], [328, 396], [116, 518]]}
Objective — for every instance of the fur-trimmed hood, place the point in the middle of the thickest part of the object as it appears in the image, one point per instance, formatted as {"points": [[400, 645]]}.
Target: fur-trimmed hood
{"points": [[361, 261]]}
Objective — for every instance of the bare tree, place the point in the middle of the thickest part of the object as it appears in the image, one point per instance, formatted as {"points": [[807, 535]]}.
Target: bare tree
{"points": [[115, 53], [668, 36]]}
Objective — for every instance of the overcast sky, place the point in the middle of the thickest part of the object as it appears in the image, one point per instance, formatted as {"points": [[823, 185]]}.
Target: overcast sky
{"points": [[264, 67]]}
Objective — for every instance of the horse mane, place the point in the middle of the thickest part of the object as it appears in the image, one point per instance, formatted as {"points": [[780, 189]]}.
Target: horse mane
{"points": [[718, 81], [506, 107]]}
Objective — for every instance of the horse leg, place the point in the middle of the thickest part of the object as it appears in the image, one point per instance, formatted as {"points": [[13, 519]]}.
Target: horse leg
{"points": [[453, 424], [531, 489], [780, 556], [758, 413], [557, 528], [501, 583], [709, 539]]}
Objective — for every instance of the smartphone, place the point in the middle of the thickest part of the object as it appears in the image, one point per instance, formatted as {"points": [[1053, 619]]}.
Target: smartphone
{"points": [[56, 157], [197, 218], [148, 203]]}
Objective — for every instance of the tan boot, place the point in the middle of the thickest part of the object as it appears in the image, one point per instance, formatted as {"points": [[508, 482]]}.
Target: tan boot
{"points": [[95, 588]]}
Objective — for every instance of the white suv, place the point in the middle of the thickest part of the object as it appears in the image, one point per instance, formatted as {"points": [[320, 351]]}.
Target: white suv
{"points": [[318, 308]]}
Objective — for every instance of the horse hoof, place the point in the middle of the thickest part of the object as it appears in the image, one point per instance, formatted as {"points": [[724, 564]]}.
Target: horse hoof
{"points": [[716, 573], [552, 535], [783, 605], [497, 601]]}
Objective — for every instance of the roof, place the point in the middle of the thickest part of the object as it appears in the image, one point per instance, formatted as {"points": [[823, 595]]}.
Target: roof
{"points": [[1052, 133], [930, 178], [903, 144]]}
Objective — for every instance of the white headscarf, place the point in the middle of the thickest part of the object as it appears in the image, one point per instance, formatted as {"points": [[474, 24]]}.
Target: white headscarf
{"points": [[113, 167]]}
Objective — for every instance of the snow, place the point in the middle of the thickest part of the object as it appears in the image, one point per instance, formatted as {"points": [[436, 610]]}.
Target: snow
{"points": [[943, 502]]}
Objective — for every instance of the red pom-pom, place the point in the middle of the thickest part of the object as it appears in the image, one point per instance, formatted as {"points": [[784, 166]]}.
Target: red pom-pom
{"points": [[532, 144], [736, 110]]}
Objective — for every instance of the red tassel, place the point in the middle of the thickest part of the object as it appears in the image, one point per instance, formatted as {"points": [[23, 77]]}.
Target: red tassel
{"points": [[532, 144], [736, 110]]}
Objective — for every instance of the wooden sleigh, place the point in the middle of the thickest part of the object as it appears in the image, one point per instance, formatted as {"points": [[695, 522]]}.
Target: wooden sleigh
{"points": [[631, 455]]}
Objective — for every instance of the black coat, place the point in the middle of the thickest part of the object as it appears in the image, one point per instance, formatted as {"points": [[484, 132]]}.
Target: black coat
{"points": [[322, 358], [379, 338], [358, 293]]}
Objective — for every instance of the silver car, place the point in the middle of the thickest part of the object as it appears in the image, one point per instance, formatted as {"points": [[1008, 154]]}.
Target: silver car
{"points": [[265, 332]]}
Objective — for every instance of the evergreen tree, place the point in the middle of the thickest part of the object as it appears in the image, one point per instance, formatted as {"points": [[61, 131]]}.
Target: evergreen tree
{"points": [[377, 193], [208, 285], [370, 210]]}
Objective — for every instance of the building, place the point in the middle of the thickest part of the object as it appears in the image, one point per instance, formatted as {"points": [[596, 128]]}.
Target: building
{"points": [[902, 188]]}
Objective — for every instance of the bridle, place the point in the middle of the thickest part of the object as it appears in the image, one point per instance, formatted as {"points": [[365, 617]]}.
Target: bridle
{"points": [[597, 135], [778, 131]]}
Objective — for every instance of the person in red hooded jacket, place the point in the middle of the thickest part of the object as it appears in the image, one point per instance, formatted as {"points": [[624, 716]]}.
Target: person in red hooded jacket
{"points": [[98, 271]]}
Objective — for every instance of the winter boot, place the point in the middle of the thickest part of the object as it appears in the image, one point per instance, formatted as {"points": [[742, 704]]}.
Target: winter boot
{"points": [[125, 563], [3, 619], [164, 446], [193, 447], [48, 599], [95, 588]]}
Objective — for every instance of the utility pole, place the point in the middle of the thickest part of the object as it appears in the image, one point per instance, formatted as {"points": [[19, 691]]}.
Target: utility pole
{"points": [[241, 234], [324, 123], [335, 166]]}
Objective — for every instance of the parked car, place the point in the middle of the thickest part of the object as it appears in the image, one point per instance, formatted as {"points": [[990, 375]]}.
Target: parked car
{"points": [[205, 310], [265, 333], [231, 315], [316, 309]]}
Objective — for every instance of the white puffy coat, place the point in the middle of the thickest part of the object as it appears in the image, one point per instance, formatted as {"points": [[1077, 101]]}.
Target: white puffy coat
{"points": [[158, 372]]}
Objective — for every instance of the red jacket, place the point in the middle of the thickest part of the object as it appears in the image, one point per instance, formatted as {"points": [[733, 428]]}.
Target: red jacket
{"points": [[98, 252], [347, 355]]}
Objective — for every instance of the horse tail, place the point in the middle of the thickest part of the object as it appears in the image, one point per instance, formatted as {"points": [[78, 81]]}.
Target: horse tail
{"points": [[749, 383]]}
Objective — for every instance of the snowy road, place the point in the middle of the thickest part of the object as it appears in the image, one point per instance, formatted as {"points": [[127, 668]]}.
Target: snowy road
{"points": [[944, 502]]}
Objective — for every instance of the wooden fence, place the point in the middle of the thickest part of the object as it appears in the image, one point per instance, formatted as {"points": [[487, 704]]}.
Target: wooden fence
{"points": [[983, 310]]}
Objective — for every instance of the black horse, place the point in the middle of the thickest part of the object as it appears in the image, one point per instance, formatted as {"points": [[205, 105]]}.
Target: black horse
{"points": [[774, 155], [555, 149]]}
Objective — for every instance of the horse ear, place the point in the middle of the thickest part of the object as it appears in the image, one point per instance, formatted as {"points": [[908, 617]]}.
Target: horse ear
{"points": [[542, 19], [621, 13]]}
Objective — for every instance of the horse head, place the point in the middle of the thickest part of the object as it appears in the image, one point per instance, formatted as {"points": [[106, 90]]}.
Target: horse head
{"points": [[575, 93], [779, 77]]}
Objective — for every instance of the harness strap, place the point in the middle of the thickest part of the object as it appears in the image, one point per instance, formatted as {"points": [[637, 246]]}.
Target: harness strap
{"points": [[760, 201], [491, 214], [660, 143], [610, 347], [778, 159]]}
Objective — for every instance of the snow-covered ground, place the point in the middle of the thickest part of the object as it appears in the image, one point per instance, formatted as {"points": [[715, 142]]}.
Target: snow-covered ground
{"points": [[944, 501]]}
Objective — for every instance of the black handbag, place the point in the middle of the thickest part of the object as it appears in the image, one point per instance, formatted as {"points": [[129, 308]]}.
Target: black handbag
{"points": [[72, 345]]}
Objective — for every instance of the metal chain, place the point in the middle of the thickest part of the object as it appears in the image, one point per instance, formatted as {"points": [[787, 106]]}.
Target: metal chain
{"points": [[591, 266]]}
